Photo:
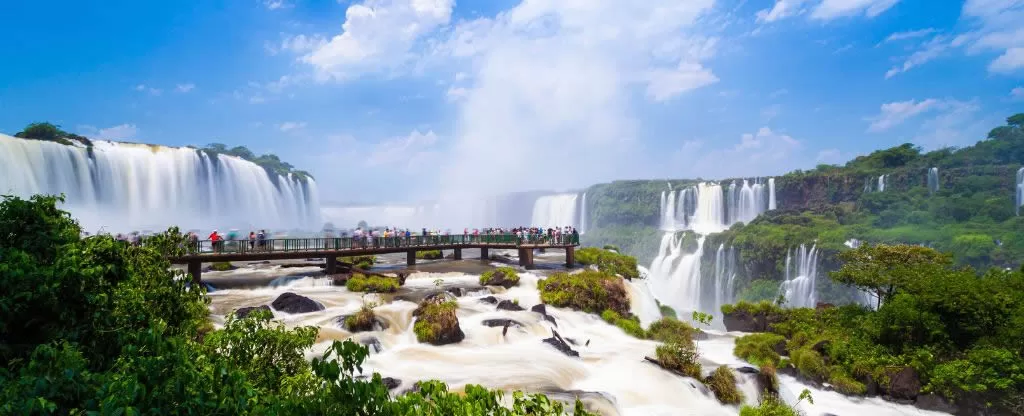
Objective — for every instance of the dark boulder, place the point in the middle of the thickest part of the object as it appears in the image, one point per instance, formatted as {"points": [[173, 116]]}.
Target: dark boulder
{"points": [[539, 308], [507, 305], [744, 321], [821, 347], [391, 383], [551, 319], [456, 291], [292, 303], [747, 370], [433, 298], [372, 343], [905, 384], [489, 299], [499, 278], [493, 323], [559, 343], [243, 312], [935, 403], [436, 323], [375, 324]]}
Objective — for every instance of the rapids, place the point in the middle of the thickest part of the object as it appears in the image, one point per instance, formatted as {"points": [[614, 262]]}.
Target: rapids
{"points": [[611, 375]]}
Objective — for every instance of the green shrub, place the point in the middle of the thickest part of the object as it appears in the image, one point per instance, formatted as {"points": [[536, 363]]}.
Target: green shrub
{"points": [[667, 311], [609, 262], [670, 330], [612, 247], [759, 290], [360, 262], [762, 307], [680, 357], [361, 320], [723, 383], [429, 254], [846, 384], [758, 348], [372, 284], [502, 276], [221, 266], [768, 377], [629, 325], [588, 291], [770, 405], [809, 363], [435, 319]]}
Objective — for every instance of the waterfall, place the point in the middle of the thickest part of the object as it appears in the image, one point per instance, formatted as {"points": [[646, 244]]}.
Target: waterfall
{"points": [[127, 186], [668, 210], [555, 211], [725, 278], [1020, 189], [881, 183], [933, 180], [771, 194], [799, 287], [583, 214], [675, 275]]}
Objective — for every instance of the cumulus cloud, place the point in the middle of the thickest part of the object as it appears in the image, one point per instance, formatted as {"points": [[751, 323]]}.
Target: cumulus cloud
{"points": [[291, 126], [765, 152], [895, 113], [119, 132], [949, 122], [183, 88], [276, 4]]}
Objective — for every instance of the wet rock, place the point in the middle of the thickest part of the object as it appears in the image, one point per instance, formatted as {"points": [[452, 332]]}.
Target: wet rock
{"points": [[780, 348], [559, 343], [934, 403], [457, 291], [437, 323], [391, 383], [551, 319], [905, 384], [507, 305], [373, 344], [489, 299], [572, 341], [434, 298], [499, 278], [243, 312], [500, 322], [747, 370], [744, 321], [375, 324], [292, 303], [539, 308]]}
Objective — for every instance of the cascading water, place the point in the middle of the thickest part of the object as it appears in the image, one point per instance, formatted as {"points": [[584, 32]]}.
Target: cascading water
{"points": [[583, 214], [725, 278], [771, 194], [555, 211], [708, 208], [801, 277], [881, 183], [126, 186], [668, 203], [1020, 189], [675, 275], [933, 180]]}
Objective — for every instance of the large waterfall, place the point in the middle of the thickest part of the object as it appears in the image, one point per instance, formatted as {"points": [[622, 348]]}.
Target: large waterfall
{"points": [[583, 213], [1020, 189], [801, 277], [707, 208], [125, 186], [933, 180], [675, 274], [555, 211]]}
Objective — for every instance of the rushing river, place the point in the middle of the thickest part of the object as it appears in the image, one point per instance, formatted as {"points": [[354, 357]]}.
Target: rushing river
{"points": [[611, 375]]}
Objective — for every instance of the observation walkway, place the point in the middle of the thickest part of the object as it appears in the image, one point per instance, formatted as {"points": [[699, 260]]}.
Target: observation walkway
{"points": [[330, 249]]}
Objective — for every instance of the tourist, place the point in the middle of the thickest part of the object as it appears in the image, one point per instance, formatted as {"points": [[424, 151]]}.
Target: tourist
{"points": [[252, 240]]}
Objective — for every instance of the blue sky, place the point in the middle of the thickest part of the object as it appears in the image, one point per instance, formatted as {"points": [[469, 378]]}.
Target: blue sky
{"points": [[403, 100]]}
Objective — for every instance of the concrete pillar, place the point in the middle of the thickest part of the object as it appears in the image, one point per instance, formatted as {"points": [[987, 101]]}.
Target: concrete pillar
{"points": [[332, 265], [458, 254], [570, 256], [195, 268], [483, 254], [526, 257], [410, 257]]}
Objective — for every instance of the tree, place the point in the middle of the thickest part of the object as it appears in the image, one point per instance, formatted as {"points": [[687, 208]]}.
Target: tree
{"points": [[1016, 120], [42, 131], [884, 270]]}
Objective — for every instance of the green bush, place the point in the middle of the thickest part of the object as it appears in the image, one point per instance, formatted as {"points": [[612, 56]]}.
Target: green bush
{"points": [[680, 357], [221, 266], [846, 384], [372, 284], [360, 262], [667, 311], [670, 330], [501, 276], [722, 382], [588, 291], [762, 307], [429, 254], [435, 319], [759, 290], [769, 406], [609, 262], [809, 363], [629, 325], [362, 320], [758, 348]]}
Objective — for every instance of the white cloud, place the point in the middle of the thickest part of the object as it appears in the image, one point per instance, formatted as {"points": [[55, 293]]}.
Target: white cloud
{"points": [[120, 132], [912, 34], [148, 90], [782, 9], [895, 113], [185, 87], [930, 50], [291, 126], [377, 35], [412, 152], [1010, 61], [765, 152], [257, 99], [824, 9], [301, 44], [276, 4], [456, 93], [996, 27], [1017, 93], [459, 76], [664, 84], [829, 156]]}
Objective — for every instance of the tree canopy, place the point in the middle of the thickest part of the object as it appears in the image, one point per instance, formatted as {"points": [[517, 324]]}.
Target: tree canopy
{"points": [[271, 163]]}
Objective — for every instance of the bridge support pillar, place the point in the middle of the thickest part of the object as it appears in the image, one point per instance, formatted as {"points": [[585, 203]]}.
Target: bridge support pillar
{"points": [[458, 254], [195, 268], [570, 256], [483, 254], [332, 266], [526, 257], [410, 258]]}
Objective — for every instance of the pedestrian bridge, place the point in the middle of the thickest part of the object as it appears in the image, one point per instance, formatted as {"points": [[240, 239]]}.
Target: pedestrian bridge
{"points": [[206, 251]]}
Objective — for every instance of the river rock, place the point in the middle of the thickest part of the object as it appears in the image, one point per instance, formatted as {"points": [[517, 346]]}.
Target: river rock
{"points": [[935, 403], [391, 383], [456, 291], [489, 299], [443, 324], [747, 370], [499, 278], [292, 303], [435, 298], [376, 324], [507, 305], [493, 323], [905, 384], [243, 312], [373, 344], [539, 308], [744, 321], [560, 344]]}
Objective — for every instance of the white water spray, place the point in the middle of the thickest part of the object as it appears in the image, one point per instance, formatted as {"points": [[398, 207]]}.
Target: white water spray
{"points": [[1020, 189], [555, 211], [801, 278], [583, 214], [933, 180]]}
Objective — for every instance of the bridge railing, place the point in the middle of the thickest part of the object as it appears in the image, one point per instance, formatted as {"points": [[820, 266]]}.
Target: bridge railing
{"points": [[363, 243]]}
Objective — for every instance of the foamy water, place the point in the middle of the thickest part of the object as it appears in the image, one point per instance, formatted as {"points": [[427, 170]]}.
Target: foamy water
{"points": [[610, 374]]}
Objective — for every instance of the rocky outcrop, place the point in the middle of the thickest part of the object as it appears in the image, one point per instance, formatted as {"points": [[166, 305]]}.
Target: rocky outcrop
{"points": [[543, 311], [373, 344], [507, 305], [436, 321], [559, 343], [489, 299], [905, 384], [361, 323], [493, 323], [504, 277], [743, 320], [243, 312], [935, 403], [292, 303]]}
